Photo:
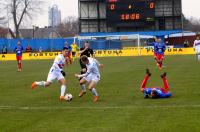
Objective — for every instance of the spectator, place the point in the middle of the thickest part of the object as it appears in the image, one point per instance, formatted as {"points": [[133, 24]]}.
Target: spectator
{"points": [[28, 49], [186, 43], [4, 50], [40, 49]]}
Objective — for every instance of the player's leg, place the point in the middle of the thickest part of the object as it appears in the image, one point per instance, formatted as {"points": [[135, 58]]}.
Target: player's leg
{"points": [[62, 88], [144, 82], [92, 88], [82, 82], [166, 85], [51, 76], [73, 56]]}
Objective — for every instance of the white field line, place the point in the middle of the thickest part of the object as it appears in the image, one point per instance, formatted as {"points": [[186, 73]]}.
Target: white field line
{"points": [[90, 107]]}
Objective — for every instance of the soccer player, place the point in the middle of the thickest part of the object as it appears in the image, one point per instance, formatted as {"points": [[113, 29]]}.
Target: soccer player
{"points": [[159, 50], [19, 50], [196, 46], [92, 76], [56, 72], [69, 58], [74, 49], [155, 92]]}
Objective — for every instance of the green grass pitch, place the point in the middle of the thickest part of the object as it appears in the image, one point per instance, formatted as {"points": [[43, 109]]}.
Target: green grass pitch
{"points": [[122, 107]]}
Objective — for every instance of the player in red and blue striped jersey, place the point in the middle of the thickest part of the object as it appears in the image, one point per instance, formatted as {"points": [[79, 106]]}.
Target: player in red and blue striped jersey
{"points": [[19, 50], [159, 50], [155, 92]]}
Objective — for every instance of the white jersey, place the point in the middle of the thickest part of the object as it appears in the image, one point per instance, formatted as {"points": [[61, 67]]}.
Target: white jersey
{"points": [[57, 67], [58, 63], [196, 46], [92, 67]]}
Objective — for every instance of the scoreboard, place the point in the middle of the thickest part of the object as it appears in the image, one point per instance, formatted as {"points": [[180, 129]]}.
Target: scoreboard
{"points": [[122, 12]]}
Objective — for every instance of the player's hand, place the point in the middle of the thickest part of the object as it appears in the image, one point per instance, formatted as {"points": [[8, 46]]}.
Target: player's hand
{"points": [[77, 75], [63, 73], [101, 66]]}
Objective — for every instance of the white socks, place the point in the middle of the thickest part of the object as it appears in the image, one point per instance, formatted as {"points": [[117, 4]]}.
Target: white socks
{"points": [[83, 87], [41, 83], [94, 92], [63, 88]]}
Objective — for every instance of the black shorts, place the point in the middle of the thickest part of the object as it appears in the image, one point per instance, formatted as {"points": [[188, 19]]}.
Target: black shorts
{"points": [[73, 53]]}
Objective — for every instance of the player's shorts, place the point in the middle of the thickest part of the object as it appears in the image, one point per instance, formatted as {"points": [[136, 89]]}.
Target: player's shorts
{"points": [[159, 57], [53, 74], [92, 77], [19, 58], [73, 53], [69, 55], [197, 50]]}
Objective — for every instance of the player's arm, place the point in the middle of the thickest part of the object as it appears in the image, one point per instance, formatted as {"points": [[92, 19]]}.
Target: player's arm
{"points": [[92, 53], [82, 50], [98, 63], [194, 44]]}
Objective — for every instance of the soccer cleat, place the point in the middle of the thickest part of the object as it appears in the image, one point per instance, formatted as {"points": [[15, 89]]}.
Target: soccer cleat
{"points": [[62, 98], [148, 72], [95, 98], [81, 93], [34, 85], [163, 75]]}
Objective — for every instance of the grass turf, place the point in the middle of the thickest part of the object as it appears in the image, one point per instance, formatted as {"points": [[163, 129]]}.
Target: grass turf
{"points": [[121, 106]]}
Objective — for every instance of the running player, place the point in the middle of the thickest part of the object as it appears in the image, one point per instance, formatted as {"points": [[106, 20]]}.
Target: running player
{"points": [[56, 72], [19, 50], [159, 50], [155, 92], [196, 46], [92, 76]]}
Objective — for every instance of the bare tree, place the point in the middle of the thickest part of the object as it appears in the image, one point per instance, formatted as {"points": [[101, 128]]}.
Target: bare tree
{"points": [[69, 27], [22, 10]]}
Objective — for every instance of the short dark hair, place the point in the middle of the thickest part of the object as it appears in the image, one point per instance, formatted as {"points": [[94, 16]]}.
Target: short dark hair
{"points": [[65, 48], [84, 58]]}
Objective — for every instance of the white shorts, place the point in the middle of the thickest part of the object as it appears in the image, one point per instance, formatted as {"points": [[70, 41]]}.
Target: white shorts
{"points": [[54, 75], [197, 50], [92, 77]]}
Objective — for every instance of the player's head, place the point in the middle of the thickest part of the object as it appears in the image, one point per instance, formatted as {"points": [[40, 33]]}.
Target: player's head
{"points": [[197, 37], [84, 59], [86, 44], [18, 43], [65, 51], [66, 44], [158, 39]]}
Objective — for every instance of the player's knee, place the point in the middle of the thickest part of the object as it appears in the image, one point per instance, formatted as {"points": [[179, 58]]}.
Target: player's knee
{"points": [[47, 84]]}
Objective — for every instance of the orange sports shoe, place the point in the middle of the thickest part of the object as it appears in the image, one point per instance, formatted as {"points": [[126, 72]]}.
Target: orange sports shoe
{"points": [[62, 98], [81, 93], [95, 98], [34, 85]]}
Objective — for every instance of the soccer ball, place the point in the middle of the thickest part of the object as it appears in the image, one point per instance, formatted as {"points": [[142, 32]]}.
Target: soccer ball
{"points": [[68, 97]]}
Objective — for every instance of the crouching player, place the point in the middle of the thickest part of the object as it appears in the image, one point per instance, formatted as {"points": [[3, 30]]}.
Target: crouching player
{"points": [[159, 50], [56, 72], [155, 92], [92, 76]]}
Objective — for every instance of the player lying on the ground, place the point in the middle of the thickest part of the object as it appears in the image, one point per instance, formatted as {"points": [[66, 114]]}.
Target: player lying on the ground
{"points": [[92, 76], [155, 92], [159, 50], [56, 72]]}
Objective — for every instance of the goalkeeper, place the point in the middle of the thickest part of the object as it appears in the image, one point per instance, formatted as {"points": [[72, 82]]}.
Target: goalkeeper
{"points": [[155, 92]]}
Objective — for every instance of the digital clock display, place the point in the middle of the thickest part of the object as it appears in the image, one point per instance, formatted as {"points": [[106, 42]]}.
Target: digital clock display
{"points": [[127, 11]]}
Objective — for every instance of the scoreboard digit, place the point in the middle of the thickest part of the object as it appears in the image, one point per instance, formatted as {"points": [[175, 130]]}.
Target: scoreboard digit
{"points": [[127, 11]]}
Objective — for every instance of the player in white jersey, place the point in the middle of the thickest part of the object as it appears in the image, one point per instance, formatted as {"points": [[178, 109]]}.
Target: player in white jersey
{"points": [[56, 72], [92, 76], [196, 46]]}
